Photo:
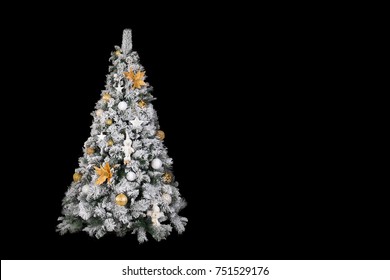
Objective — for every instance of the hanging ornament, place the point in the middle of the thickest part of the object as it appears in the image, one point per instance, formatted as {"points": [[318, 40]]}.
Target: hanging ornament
{"points": [[90, 151], [131, 176], [160, 134], [85, 189], [99, 112], [156, 163], [106, 97], [166, 198], [155, 214], [110, 142], [121, 199], [167, 178], [77, 177], [136, 123], [127, 149], [138, 79], [142, 104], [117, 53], [122, 105], [109, 122], [104, 173]]}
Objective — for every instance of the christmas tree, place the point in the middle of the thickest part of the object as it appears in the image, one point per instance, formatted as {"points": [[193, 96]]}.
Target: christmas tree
{"points": [[124, 182]]}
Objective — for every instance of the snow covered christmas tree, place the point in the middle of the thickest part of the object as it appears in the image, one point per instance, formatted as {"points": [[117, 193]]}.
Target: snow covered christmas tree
{"points": [[124, 182]]}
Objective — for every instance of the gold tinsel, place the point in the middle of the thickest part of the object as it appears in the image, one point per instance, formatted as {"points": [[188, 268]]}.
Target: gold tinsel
{"points": [[77, 177], [121, 199], [90, 150], [160, 134], [167, 177], [109, 122], [106, 97], [142, 104]]}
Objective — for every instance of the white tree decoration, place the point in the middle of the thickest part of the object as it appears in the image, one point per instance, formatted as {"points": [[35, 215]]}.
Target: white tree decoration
{"points": [[127, 149], [155, 214]]}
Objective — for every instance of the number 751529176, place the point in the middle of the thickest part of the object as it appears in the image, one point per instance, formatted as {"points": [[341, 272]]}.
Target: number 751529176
{"points": [[241, 270]]}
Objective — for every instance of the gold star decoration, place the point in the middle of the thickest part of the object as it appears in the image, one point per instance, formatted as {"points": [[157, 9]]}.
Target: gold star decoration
{"points": [[104, 173], [138, 79]]}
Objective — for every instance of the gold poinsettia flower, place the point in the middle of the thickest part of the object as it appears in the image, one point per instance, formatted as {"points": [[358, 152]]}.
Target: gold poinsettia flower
{"points": [[104, 173], [137, 78]]}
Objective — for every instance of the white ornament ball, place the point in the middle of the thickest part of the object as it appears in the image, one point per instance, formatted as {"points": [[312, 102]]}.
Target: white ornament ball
{"points": [[85, 189], [122, 105], [167, 198], [156, 163], [131, 176], [99, 112]]}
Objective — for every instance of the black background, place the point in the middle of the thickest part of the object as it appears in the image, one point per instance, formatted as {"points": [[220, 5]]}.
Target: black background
{"points": [[259, 146]]}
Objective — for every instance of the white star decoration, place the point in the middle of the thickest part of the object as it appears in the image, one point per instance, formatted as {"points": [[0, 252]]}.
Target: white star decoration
{"points": [[136, 123], [155, 214], [101, 136], [119, 88]]}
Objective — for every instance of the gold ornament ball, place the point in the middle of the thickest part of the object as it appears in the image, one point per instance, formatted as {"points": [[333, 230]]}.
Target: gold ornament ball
{"points": [[99, 112], [121, 199], [77, 177], [167, 177], [90, 150], [118, 52], [142, 104], [106, 97], [160, 134], [109, 122], [110, 142]]}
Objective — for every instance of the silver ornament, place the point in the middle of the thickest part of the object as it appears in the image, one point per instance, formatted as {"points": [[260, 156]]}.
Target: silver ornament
{"points": [[85, 189], [131, 176], [156, 163], [122, 105], [167, 198]]}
